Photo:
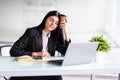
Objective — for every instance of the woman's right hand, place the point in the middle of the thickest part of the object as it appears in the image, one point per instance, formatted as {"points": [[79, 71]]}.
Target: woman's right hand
{"points": [[41, 54]]}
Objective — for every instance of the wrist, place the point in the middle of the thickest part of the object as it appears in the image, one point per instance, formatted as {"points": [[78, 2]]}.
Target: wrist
{"points": [[34, 54]]}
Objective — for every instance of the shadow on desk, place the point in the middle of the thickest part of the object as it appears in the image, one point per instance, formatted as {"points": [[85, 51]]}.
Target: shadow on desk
{"points": [[37, 78]]}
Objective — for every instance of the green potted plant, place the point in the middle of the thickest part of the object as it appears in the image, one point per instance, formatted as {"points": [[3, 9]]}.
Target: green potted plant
{"points": [[104, 44], [103, 47]]}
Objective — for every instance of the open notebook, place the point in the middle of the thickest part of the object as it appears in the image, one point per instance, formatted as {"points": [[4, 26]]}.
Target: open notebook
{"points": [[27, 58]]}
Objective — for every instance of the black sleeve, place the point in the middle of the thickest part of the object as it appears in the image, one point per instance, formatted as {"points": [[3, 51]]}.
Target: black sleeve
{"points": [[19, 46], [62, 44]]}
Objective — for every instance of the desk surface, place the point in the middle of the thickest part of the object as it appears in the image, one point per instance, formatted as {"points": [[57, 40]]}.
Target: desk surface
{"points": [[9, 66]]}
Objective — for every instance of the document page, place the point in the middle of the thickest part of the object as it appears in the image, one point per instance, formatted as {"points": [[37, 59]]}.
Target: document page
{"points": [[27, 58]]}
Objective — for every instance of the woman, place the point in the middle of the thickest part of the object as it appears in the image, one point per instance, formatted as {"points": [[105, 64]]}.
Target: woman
{"points": [[42, 42]]}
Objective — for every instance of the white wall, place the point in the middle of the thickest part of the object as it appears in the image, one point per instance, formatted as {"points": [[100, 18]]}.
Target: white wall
{"points": [[84, 13], [112, 20], [11, 19], [85, 16]]}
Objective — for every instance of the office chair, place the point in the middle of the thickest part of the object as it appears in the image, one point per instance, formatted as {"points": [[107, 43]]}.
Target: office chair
{"points": [[2, 78], [5, 51]]}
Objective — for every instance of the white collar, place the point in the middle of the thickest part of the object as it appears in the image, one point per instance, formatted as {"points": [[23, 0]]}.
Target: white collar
{"points": [[45, 34]]}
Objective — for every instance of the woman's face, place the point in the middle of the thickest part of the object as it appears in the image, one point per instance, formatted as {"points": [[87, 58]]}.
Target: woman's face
{"points": [[51, 23]]}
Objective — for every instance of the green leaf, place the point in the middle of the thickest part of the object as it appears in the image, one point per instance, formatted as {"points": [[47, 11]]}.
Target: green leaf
{"points": [[104, 44]]}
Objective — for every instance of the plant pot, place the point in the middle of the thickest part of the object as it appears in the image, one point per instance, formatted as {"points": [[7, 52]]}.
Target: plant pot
{"points": [[100, 56]]}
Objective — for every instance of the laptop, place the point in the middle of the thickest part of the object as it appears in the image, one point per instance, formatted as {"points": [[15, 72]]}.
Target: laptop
{"points": [[78, 53]]}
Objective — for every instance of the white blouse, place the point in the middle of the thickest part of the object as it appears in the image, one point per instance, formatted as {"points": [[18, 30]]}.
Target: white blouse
{"points": [[45, 41]]}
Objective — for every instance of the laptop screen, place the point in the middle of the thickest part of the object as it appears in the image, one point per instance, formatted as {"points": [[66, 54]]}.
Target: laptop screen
{"points": [[80, 53], [77, 53]]}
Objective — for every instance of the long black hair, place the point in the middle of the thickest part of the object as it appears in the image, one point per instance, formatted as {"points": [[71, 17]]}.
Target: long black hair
{"points": [[51, 13]]}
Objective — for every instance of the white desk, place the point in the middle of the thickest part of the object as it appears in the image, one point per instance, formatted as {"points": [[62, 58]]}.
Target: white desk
{"points": [[10, 67]]}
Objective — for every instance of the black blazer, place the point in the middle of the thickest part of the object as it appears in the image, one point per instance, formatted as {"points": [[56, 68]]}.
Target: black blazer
{"points": [[31, 41]]}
